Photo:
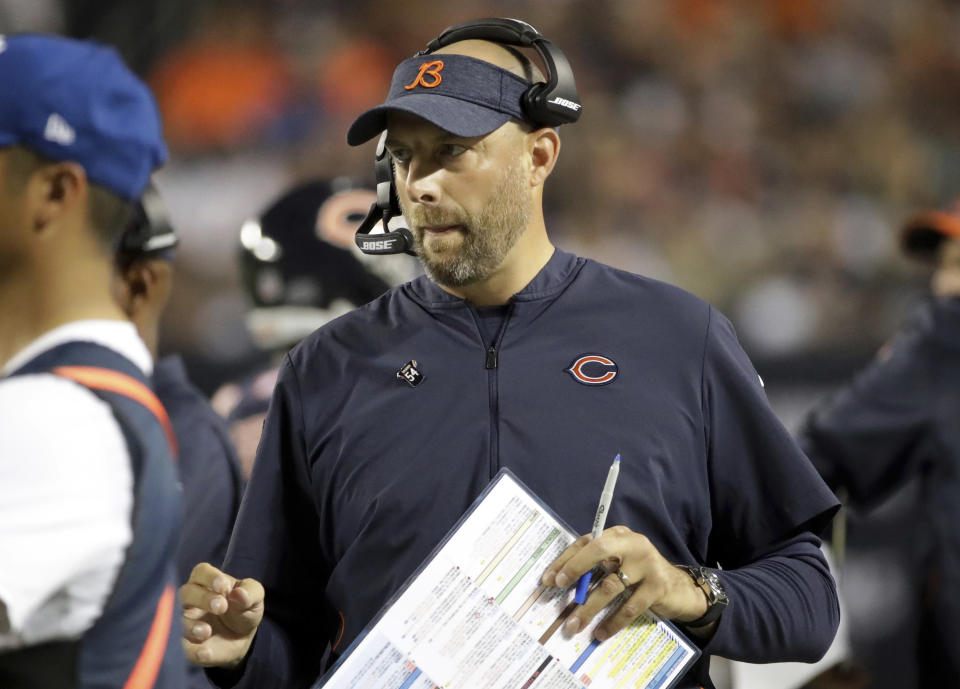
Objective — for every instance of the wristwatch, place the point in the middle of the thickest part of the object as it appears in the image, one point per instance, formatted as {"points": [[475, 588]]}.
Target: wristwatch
{"points": [[708, 582]]}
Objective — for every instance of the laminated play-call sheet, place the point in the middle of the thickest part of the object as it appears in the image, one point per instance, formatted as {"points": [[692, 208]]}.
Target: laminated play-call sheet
{"points": [[475, 616]]}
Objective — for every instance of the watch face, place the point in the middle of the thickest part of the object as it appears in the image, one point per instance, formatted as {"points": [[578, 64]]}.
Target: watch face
{"points": [[716, 588]]}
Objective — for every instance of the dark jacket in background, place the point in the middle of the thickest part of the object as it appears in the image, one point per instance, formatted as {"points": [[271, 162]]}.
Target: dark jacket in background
{"points": [[897, 419], [209, 472]]}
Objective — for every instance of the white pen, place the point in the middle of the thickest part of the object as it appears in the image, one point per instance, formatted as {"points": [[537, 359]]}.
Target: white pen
{"points": [[606, 497]]}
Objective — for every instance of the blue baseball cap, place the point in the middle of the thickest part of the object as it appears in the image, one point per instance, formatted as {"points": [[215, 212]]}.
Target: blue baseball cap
{"points": [[460, 94], [76, 100]]}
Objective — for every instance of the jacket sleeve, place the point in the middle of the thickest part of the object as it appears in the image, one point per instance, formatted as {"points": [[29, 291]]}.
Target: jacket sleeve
{"points": [[275, 542], [783, 606], [873, 435], [768, 507]]}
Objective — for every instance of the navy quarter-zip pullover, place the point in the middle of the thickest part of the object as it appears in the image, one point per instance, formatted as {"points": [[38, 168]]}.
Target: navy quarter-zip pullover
{"points": [[360, 473]]}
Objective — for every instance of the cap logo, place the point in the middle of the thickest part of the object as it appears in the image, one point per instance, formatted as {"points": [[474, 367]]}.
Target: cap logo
{"points": [[593, 369], [429, 75], [59, 131]]}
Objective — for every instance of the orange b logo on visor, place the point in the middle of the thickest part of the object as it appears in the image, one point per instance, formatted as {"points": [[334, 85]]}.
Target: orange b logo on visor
{"points": [[431, 70]]}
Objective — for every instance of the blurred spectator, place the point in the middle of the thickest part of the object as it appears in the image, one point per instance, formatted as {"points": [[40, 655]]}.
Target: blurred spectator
{"points": [[30, 15], [208, 466], [899, 419], [221, 93]]}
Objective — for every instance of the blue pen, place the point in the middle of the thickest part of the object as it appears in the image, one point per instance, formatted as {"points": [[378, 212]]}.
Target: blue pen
{"points": [[598, 521]]}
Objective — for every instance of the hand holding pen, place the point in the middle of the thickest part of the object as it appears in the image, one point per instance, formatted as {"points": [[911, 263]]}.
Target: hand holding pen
{"points": [[599, 521], [655, 583]]}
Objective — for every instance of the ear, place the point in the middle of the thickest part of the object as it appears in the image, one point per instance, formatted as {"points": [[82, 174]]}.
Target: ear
{"points": [[130, 288], [139, 279], [544, 146], [151, 281], [58, 190]]}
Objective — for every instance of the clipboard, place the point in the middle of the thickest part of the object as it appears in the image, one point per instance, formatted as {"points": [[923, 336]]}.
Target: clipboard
{"points": [[474, 615]]}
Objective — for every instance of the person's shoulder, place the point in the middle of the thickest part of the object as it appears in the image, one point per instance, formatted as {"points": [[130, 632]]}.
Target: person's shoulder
{"points": [[643, 285], [178, 393], [929, 336], [666, 302], [944, 322], [349, 331], [45, 415], [191, 413], [54, 397]]}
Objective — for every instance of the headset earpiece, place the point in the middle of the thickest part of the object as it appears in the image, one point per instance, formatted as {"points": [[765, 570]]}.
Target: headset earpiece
{"points": [[547, 103]]}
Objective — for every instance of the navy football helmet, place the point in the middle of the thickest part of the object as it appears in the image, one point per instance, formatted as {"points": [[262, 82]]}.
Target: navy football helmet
{"points": [[300, 266]]}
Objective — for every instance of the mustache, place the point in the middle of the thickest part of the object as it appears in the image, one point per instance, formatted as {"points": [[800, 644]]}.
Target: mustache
{"points": [[421, 217]]}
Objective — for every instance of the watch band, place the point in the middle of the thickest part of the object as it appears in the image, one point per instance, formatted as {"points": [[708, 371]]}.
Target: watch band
{"points": [[708, 582]]}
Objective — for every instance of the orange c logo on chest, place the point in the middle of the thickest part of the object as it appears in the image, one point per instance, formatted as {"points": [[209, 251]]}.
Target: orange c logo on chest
{"points": [[429, 76], [593, 369]]}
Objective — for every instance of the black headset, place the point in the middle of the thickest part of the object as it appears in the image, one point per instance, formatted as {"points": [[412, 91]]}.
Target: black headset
{"points": [[149, 233], [547, 103]]}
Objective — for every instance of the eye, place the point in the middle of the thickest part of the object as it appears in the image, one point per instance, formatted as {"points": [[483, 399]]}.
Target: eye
{"points": [[401, 156], [451, 150]]}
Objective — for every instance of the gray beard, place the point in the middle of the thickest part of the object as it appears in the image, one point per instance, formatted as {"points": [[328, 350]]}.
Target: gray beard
{"points": [[488, 236]]}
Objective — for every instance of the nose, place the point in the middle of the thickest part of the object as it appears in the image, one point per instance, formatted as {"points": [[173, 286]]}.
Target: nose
{"points": [[421, 182]]}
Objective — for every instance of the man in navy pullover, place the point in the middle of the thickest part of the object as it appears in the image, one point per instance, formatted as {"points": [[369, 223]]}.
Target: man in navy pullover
{"points": [[526, 357]]}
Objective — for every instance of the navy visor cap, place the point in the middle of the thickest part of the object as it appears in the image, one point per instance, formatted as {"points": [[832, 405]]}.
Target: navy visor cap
{"points": [[460, 94]]}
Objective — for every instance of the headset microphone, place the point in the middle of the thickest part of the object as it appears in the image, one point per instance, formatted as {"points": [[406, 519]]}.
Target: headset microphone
{"points": [[386, 207]]}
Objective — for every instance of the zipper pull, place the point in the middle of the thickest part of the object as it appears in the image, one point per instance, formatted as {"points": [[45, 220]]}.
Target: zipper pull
{"points": [[491, 361]]}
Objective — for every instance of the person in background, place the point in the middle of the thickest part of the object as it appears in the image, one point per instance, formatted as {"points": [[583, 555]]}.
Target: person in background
{"points": [[899, 419], [300, 268], [89, 501], [209, 469], [388, 422]]}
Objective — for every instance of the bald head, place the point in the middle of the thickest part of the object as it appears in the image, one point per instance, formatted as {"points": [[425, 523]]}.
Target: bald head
{"points": [[505, 57], [468, 88]]}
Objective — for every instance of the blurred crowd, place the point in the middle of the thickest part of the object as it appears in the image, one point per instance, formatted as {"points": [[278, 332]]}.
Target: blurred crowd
{"points": [[759, 153]]}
